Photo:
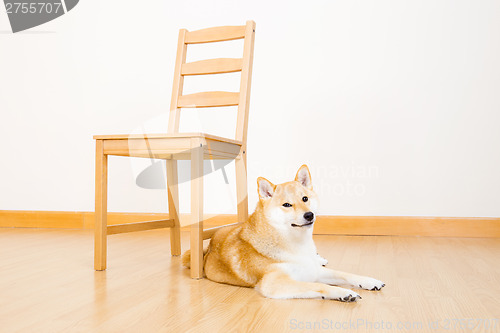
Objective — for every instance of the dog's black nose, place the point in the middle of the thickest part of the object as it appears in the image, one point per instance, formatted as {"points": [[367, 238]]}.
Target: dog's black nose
{"points": [[309, 216]]}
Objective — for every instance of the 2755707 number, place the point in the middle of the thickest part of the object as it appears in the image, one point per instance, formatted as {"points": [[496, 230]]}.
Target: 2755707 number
{"points": [[33, 8]]}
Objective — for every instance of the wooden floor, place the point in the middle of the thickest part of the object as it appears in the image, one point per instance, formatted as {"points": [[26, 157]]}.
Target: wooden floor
{"points": [[47, 284]]}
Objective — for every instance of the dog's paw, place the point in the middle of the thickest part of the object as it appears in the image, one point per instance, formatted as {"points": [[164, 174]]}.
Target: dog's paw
{"points": [[342, 295], [369, 283], [349, 298], [322, 261]]}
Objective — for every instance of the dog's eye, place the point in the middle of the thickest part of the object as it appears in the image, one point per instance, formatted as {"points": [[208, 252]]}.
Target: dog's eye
{"points": [[286, 204], [305, 199]]}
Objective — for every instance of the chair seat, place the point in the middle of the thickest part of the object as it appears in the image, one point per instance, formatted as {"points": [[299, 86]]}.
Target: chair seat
{"points": [[175, 146]]}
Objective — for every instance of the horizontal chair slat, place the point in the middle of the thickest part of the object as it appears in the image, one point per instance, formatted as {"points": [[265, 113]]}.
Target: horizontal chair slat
{"points": [[139, 226], [208, 233], [212, 66], [208, 99], [217, 34]]}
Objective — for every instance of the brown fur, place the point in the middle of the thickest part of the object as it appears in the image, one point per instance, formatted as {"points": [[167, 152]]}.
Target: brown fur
{"points": [[274, 251]]}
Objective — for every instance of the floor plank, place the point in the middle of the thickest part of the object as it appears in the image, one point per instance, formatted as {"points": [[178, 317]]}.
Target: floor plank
{"points": [[47, 284]]}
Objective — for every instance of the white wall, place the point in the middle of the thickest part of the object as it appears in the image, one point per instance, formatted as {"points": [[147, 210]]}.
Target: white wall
{"points": [[394, 105]]}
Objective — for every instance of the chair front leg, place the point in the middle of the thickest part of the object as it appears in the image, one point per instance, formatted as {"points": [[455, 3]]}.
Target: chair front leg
{"points": [[196, 209], [173, 207], [101, 207]]}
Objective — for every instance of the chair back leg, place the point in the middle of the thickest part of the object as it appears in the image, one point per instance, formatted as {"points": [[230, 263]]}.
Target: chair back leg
{"points": [[241, 186], [173, 207]]}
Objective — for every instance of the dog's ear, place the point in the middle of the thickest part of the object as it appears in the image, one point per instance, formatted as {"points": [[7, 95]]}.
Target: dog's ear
{"points": [[266, 188], [304, 177]]}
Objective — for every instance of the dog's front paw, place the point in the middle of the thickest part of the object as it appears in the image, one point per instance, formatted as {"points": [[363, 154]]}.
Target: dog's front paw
{"points": [[349, 298], [369, 283], [322, 261], [342, 295]]}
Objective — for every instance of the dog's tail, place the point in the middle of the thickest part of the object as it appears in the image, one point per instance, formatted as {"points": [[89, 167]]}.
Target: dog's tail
{"points": [[186, 258]]}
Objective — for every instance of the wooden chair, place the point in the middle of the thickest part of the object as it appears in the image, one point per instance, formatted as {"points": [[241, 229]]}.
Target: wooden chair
{"points": [[174, 146]]}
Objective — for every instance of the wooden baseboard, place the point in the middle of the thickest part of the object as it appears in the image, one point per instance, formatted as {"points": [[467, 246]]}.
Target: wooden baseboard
{"points": [[409, 226], [326, 225], [85, 220]]}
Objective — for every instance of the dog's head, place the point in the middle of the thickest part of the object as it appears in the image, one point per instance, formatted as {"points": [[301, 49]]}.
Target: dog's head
{"points": [[290, 205]]}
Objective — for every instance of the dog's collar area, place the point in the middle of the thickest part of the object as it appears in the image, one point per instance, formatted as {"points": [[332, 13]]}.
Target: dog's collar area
{"points": [[302, 225]]}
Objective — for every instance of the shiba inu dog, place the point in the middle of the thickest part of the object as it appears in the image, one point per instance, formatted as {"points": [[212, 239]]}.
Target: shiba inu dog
{"points": [[274, 251]]}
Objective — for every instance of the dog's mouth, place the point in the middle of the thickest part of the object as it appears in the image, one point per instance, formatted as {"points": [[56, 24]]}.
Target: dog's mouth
{"points": [[302, 225]]}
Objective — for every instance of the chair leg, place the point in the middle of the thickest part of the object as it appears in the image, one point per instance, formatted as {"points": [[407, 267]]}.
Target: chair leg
{"points": [[196, 210], [173, 207], [241, 187], [101, 207]]}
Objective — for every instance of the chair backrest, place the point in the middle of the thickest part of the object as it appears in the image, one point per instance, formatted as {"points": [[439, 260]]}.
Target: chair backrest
{"points": [[214, 66]]}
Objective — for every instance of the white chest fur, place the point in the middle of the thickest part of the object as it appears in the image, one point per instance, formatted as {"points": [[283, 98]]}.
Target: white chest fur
{"points": [[302, 264]]}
